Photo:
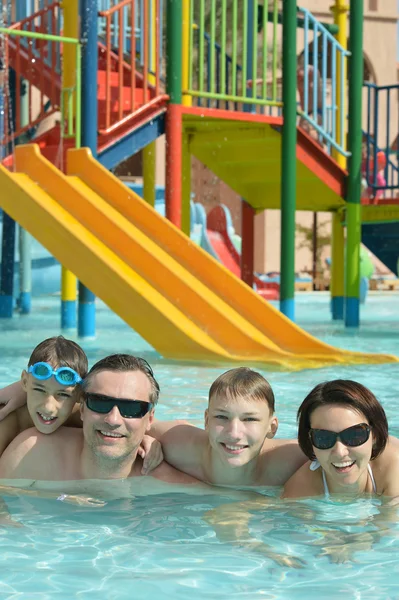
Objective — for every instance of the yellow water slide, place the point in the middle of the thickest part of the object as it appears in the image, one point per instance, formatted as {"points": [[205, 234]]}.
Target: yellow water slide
{"points": [[182, 301]]}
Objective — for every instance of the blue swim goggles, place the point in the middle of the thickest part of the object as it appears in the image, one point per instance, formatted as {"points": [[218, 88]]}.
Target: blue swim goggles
{"points": [[64, 375]]}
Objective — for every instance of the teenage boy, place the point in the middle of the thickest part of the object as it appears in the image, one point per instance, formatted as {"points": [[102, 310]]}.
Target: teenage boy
{"points": [[237, 447]]}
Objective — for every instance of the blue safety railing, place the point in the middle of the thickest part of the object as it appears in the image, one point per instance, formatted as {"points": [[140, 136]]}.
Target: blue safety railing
{"points": [[380, 163], [123, 19], [322, 61]]}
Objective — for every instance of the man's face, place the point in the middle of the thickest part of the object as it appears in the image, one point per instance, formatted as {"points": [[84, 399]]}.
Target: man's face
{"points": [[237, 428], [110, 435]]}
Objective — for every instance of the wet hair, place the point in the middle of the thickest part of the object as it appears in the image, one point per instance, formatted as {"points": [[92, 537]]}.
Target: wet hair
{"points": [[243, 382], [60, 352], [343, 392], [123, 363]]}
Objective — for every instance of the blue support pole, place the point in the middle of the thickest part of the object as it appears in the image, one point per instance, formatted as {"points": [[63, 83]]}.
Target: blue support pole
{"points": [[89, 23], [7, 267], [25, 259], [8, 240], [25, 272]]}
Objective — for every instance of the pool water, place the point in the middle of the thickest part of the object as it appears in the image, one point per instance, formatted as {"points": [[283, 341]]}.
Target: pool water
{"points": [[163, 545]]}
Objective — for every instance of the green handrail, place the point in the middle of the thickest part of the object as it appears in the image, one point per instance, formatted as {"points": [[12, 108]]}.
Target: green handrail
{"points": [[67, 120], [227, 50]]}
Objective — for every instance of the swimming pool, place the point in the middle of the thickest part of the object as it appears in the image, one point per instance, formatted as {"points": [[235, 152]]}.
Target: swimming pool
{"points": [[162, 545]]}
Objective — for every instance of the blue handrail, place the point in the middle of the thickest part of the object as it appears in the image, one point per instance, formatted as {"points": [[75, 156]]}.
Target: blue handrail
{"points": [[316, 106], [376, 140], [319, 66], [104, 5]]}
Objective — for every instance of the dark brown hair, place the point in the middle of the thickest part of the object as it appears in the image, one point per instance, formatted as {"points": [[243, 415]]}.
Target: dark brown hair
{"points": [[343, 392], [243, 382], [60, 352], [123, 363]]}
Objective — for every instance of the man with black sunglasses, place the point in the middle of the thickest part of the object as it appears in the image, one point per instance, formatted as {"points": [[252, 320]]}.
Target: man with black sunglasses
{"points": [[118, 397]]}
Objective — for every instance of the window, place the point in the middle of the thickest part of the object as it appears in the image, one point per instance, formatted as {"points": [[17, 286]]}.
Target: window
{"points": [[373, 5]]}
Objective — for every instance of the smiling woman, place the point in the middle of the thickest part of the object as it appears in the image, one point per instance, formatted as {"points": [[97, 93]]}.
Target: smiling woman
{"points": [[343, 431]]}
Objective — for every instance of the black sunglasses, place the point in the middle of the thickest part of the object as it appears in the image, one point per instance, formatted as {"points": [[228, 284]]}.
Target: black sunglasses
{"points": [[323, 439], [129, 409]]}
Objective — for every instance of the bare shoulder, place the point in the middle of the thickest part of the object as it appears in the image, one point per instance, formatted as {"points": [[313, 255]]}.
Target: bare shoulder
{"points": [[303, 483], [279, 460], [21, 451], [386, 469], [166, 472], [33, 454]]}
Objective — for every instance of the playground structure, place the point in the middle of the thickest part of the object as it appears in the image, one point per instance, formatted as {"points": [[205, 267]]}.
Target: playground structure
{"points": [[179, 298]]}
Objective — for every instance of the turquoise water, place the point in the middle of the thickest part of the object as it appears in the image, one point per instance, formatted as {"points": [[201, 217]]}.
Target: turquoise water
{"points": [[162, 545]]}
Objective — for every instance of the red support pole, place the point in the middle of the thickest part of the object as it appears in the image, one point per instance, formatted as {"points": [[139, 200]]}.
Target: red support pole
{"points": [[174, 163], [248, 243]]}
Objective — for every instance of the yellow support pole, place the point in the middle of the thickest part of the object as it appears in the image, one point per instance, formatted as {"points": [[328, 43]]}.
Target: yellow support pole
{"points": [[186, 56], [71, 29], [340, 11], [150, 151]]}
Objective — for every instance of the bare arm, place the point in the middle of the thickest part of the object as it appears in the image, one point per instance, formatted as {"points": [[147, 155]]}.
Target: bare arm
{"points": [[183, 447], [231, 525], [11, 397], [159, 428]]}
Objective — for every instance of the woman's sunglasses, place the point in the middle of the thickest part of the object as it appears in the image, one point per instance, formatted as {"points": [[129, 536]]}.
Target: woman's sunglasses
{"points": [[323, 439], [129, 409]]}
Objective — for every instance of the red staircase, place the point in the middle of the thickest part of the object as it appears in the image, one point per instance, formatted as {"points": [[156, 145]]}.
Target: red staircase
{"points": [[127, 96]]}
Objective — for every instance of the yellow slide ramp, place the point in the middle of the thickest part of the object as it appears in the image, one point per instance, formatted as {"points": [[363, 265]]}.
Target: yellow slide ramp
{"points": [[170, 291]]}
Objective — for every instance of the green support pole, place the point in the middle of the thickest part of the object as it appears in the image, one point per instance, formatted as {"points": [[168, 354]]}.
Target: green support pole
{"points": [[174, 50], [288, 162], [174, 126], [353, 216]]}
